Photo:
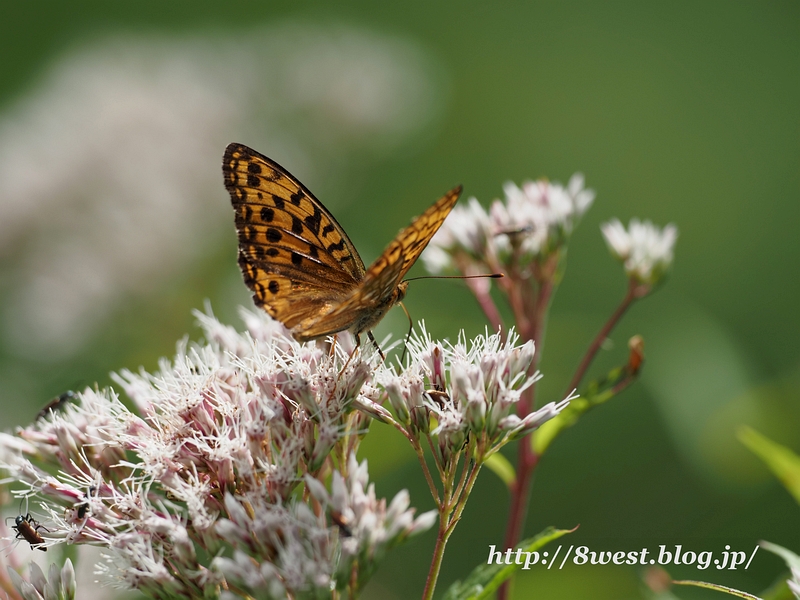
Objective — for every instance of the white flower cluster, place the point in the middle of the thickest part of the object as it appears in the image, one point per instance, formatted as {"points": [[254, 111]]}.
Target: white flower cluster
{"points": [[306, 557], [216, 460], [58, 584], [644, 249], [466, 389], [532, 222]]}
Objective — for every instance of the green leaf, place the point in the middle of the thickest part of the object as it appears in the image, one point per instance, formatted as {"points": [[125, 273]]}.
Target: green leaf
{"points": [[779, 590], [485, 579], [499, 465], [784, 463], [719, 588], [596, 393]]}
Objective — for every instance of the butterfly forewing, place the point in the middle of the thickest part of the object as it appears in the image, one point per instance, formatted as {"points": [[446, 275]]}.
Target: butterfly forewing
{"points": [[411, 241], [299, 262], [274, 208]]}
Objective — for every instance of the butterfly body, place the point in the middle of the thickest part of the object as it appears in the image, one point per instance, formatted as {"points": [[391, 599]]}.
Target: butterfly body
{"points": [[300, 264]]}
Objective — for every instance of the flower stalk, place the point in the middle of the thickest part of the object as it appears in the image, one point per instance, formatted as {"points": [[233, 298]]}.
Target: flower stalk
{"points": [[525, 236], [462, 399]]}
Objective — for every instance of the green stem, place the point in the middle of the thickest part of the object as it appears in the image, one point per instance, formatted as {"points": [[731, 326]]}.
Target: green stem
{"points": [[426, 471], [449, 516]]}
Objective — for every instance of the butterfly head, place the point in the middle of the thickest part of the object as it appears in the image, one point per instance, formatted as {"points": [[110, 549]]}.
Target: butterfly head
{"points": [[400, 292]]}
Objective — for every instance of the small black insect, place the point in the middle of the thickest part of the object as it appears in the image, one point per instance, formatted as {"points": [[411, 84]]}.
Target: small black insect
{"points": [[56, 404], [27, 528], [83, 507]]}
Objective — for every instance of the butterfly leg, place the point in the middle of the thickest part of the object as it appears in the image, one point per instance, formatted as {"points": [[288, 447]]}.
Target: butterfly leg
{"points": [[352, 354], [332, 349], [378, 348], [408, 337]]}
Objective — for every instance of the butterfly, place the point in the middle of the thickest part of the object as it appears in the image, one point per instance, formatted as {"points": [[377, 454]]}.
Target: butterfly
{"points": [[299, 262]]}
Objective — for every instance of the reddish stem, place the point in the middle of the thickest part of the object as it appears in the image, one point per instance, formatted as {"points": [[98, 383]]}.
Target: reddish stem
{"points": [[633, 293], [531, 325], [527, 459]]}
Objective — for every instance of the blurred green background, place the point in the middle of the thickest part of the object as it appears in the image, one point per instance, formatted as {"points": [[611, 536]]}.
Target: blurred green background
{"points": [[114, 224]]}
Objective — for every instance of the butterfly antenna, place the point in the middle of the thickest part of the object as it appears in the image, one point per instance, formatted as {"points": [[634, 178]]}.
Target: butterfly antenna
{"points": [[487, 275], [410, 329]]}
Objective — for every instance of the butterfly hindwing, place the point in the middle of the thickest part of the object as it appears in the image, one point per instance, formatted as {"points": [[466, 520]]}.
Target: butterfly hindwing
{"points": [[283, 297]]}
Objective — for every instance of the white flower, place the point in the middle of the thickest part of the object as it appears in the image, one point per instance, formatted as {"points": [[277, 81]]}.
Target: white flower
{"points": [[644, 249], [533, 221], [368, 528], [516, 427], [541, 214], [214, 463], [59, 583], [294, 542], [467, 229], [470, 387]]}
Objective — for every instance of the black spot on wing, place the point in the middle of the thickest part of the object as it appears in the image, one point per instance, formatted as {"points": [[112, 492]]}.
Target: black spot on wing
{"points": [[314, 221], [248, 234]]}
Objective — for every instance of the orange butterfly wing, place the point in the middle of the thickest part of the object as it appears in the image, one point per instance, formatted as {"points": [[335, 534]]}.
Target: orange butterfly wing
{"points": [[295, 257], [299, 262], [378, 292]]}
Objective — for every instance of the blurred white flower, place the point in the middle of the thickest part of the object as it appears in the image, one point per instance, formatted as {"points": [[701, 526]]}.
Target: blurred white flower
{"points": [[58, 584], [467, 228], [644, 249], [541, 213], [532, 222], [110, 166], [794, 582]]}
